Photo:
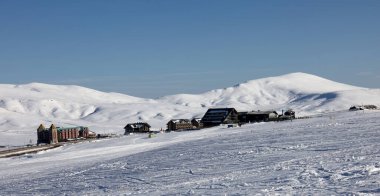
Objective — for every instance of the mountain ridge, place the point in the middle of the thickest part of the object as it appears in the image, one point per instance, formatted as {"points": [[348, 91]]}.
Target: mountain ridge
{"points": [[24, 107]]}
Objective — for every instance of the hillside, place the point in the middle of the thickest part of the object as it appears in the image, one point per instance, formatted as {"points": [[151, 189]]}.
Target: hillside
{"points": [[24, 107], [334, 154]]}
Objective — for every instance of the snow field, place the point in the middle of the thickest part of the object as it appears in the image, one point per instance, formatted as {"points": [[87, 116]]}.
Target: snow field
{"points": [[334, 154]]}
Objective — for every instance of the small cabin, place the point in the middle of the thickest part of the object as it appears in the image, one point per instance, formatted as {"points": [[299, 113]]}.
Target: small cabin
{"points": [[363, 107], [288, 115], [355, 108], [179, 124], [218, 116], [196, 122], [139, 127], [370, 107]]}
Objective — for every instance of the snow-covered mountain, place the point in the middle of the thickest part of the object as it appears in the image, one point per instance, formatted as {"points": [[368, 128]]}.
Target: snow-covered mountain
{"points": [[303, 92], [24, 107]]}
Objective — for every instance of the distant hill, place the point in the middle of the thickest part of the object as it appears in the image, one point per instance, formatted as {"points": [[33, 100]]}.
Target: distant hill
{"points": [[24, 107], [305, 93]]}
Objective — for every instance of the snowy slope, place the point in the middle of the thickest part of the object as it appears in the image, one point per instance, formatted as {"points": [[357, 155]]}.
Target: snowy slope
{"points": [[334, 154], [24, 107], [271, 93]]}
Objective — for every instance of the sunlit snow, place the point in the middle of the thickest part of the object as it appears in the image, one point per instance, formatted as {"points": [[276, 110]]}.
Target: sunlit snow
{"points": [[24, 107], [331, 154]]}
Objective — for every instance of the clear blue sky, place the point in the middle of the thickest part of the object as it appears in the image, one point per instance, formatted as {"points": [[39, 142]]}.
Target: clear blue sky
{"points": [[161, 47]]}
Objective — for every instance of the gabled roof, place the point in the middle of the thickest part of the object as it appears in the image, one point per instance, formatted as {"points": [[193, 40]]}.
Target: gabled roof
{"points": [[217, 115], [217, 110], [196, 119], [41, 127], [137, 125]]}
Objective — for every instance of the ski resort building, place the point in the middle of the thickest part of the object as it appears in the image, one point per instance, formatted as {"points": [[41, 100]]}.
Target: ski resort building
{"points": [[217, 116], [179, 124], [290, 114], [196, 122], [55, 134], [257, 116], [141, 127]]}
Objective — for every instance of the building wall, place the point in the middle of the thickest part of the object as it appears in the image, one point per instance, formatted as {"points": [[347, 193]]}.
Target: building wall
{"points": [[197, 124], [231, 118], [53, 135], [178, 126], [130, 129], [217, 116], [183, 126]]}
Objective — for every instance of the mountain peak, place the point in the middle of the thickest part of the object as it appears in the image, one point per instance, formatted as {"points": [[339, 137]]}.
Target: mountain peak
{"points": [[299, 82]]}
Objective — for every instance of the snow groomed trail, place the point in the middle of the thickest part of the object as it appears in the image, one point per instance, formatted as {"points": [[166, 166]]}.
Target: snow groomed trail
{"points": [[334, 154]]}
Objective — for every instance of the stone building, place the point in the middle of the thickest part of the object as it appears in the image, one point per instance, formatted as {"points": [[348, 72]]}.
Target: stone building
{"points": [[179, 124], [136, 127]]}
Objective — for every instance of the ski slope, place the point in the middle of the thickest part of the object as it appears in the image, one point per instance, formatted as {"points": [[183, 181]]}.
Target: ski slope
{"points": [[24, 107], [331, 154]]}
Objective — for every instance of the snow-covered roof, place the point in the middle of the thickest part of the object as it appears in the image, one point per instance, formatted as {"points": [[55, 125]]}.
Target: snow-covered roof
{"points": [[217, 114], [197, 119], [137, 125], [180, 121]]}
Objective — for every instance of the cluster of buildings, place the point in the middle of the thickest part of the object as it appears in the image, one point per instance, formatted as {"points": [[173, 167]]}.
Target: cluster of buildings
{"points": [[215, 117]]}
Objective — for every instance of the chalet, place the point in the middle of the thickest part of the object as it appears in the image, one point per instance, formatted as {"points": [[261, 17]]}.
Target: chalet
{"points": [[370, 107], [196, 122], [137, 127], [288, 115], [217, 116], [179, 124], [257, 116], [355, 108], [55, 134]]}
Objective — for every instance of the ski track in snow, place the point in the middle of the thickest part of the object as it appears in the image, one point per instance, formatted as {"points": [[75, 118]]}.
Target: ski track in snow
{"points": [[335, 154]]}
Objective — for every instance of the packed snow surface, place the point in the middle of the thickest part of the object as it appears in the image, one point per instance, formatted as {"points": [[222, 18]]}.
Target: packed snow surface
{"points": [[24, 107], [331, 154]]}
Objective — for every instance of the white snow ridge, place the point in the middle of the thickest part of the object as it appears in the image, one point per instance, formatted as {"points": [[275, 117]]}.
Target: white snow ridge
{"points": [[333, 153], [37, 103]]}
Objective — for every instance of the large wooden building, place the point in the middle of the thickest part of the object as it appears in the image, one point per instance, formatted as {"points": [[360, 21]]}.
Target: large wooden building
{"points": [[141, 127], [55, 134], [179, 124], [217, 116]]}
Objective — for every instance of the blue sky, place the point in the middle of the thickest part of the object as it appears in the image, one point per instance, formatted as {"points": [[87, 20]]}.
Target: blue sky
{"points": [[155, 48]]}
